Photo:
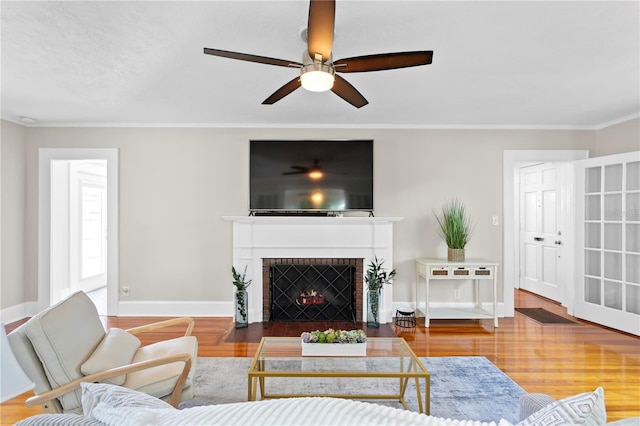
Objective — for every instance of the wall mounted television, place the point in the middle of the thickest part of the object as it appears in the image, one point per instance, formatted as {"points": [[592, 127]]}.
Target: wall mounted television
{"points": [[306, 176]]}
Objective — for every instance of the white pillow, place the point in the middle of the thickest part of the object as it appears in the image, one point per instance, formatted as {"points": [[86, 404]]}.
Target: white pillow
{"points": [[116, 397], [582, 409], [116, 349]]}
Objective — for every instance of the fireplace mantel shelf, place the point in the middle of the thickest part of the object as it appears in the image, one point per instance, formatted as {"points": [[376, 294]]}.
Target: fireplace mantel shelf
{"points": [[310, 220]]}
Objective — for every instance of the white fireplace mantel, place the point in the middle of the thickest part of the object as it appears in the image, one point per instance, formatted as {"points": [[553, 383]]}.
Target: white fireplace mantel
{"points": [[258, 237]]}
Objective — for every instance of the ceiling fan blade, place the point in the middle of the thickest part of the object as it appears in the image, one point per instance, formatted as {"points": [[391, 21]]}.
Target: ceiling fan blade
{"points": [[282, 92], [251, 58], [346, 91], [384, 61], [322, 17]]}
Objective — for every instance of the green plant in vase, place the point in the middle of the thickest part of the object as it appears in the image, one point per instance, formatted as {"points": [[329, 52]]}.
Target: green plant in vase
{"points": [[241, 283], [375, 277], [455, 228]]}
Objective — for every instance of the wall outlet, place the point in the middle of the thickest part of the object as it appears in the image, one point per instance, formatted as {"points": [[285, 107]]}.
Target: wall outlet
{"points": [[124, 291], [494, 220], [456, 294]]}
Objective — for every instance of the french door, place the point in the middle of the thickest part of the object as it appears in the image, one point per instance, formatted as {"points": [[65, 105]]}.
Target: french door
{"points": [[608, 241]]}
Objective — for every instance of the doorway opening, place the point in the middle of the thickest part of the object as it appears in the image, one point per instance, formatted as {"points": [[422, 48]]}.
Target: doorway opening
{"points": [[79, 230], [513, 160], [78, 226]]}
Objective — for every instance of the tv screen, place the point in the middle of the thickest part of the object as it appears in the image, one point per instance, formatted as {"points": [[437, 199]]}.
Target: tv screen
{"points": [[311, 175]]}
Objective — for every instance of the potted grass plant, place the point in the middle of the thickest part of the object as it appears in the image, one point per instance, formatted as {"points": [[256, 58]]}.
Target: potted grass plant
{"points": [[455, 228]]}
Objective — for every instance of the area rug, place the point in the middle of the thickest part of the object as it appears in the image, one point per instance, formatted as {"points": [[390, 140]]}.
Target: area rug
{"points": [[463, 388], [543, 316]]}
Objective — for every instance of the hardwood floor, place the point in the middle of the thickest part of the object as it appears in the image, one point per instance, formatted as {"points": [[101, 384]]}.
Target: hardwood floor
{"points": [[559, 360]]}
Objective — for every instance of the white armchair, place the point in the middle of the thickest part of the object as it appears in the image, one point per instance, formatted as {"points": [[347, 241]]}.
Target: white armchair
{"points": [[66, 345]]}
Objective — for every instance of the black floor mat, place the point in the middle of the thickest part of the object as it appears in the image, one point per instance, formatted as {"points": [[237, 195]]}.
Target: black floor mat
{"points": [[543, 316]]}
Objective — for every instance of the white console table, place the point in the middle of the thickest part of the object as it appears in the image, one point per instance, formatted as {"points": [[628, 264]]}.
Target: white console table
{"points": [[479, 270]]}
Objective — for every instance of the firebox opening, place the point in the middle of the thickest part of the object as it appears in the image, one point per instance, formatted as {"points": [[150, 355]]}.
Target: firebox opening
{"points": [[312, 293]]}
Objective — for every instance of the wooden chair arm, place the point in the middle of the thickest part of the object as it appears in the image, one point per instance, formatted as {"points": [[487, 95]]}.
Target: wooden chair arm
{"points": [[45, 397], [162, 324]]}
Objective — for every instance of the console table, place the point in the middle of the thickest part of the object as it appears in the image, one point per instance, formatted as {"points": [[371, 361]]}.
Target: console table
{"points": [[479, 270]]}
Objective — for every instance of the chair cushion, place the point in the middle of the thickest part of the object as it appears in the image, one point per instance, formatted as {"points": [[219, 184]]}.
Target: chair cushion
{"points": [[582, 409], [116, 349], [63, 336], [28, 359], [160, 381]]}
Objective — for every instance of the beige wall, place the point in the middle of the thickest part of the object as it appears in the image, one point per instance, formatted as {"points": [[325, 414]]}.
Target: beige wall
{"points": [[177, 183], [12, 213], [619, 138]]}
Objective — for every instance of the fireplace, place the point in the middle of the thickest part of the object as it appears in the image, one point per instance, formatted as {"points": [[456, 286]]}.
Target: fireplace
{"points": [[259, 239], [312, 289]]}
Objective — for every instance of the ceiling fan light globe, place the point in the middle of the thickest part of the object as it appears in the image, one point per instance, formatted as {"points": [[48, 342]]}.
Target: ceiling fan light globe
{"points": [[315, 174], [317, 77]]}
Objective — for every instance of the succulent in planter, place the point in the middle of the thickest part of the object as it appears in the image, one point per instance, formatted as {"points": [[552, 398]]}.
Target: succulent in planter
{"points": [[455, 227]]}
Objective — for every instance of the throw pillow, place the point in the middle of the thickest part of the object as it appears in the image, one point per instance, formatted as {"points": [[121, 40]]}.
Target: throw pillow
{"points": [[116, 397], [116, 349], [59, 420], [582, 409]]}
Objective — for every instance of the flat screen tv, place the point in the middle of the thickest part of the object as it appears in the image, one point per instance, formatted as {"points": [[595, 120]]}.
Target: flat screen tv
{"points": [[310, 175]]}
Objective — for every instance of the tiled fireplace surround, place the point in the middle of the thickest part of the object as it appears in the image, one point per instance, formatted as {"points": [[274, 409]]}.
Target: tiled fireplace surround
{"points": [[259, 241]]}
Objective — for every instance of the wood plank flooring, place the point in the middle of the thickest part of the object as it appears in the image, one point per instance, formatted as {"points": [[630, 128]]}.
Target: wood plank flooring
{"points": [[559, 359]]}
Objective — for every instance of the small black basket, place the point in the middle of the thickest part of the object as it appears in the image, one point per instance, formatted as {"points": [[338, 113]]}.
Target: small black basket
{"points": [[405, 319]]}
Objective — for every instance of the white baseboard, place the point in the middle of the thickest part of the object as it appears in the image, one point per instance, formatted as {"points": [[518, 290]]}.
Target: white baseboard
{"points": [[192, 308], [18, 312]]}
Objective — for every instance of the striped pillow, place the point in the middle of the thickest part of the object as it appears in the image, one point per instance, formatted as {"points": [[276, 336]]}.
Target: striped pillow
{"points": [[116, 397], [583, 409]]}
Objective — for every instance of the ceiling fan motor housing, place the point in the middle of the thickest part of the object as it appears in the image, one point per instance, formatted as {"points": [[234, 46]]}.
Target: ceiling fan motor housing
{"points": [[316, 75]]}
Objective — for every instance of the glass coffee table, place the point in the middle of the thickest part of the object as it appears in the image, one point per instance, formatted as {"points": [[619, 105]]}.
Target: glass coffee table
{"points": [[389, 361]]}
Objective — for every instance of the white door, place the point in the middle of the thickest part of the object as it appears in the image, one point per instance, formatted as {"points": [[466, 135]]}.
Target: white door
{"points": [[540, 230], [608, 241]]}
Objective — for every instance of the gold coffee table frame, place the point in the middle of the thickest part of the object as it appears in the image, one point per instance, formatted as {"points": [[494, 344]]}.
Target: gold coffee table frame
{"points": [[409, 366]]}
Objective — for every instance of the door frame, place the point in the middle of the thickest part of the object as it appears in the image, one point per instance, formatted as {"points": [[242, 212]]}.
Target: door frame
{"points": [[45, 155], [512, 160]]}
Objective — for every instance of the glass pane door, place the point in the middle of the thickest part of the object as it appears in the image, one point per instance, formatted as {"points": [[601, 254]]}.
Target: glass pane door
{"points": [[608, 241]]}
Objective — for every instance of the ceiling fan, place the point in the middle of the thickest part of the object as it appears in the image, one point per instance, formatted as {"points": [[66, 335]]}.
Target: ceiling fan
{"points": [[318, 70], [314, 172]]}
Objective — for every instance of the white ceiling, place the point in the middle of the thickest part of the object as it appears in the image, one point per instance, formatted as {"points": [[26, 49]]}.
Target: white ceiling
{"points": [[535, 64]]}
